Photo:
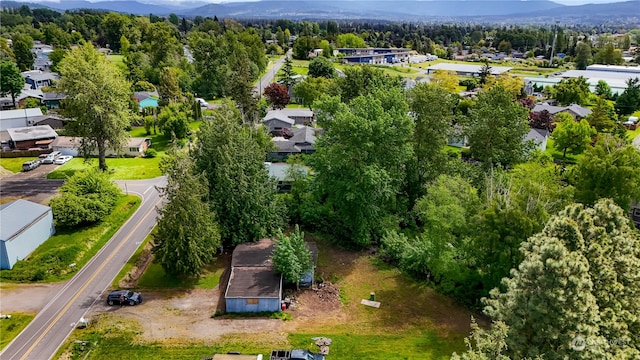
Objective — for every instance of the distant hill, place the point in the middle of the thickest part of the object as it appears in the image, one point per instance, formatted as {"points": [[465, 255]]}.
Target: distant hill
{"points": [[504, 11], [371, 9]]}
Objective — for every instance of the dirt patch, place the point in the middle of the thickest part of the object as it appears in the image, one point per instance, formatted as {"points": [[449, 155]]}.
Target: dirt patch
{"points": [[130, 280], [179, 316], [26, 298]]}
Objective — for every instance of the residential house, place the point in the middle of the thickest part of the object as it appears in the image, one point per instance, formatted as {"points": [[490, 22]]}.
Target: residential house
{"points": [[29, 137], [576, 111], [374, 55], [134, 147], [146, 99], [276, 121], [539, 138], [56, 122], [18, 118], [52, 100], [41, 56], [38, 78], [6, 102], [280, 172], [24, 225], [302, 142]]}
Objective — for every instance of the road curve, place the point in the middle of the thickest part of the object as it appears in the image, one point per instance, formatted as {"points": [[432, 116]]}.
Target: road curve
{"points": [[42, 338]]}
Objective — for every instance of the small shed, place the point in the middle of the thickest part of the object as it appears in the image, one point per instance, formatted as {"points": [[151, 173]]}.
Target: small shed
{"points": [[24, 225], [253, 284]]}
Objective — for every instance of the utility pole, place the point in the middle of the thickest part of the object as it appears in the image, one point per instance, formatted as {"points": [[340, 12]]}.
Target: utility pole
{"points": [[553, 46]]}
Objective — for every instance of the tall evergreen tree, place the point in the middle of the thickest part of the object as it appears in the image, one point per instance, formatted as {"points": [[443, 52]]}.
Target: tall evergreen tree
{"points": [[231, 155], [187, 235]]}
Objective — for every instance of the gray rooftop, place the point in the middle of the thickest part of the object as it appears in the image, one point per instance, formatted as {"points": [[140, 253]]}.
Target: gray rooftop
{"points": [[32, 133], [253, 254], [296, 112], [537, 135], [42, 76], [304, 134], [17, 215], [255, 282], [279, 170], [20, 113], [278, 115]]}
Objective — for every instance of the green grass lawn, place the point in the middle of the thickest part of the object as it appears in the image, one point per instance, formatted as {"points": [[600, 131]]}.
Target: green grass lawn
{"points": [[50, 261], [125, 168], [414, 322], [557, 155], [10, 328], [121, 168], [116, 58], [156, 278], [14, 164]]}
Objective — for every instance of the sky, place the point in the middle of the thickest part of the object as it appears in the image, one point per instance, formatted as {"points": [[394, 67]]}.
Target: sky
{"points": [[563, 2]]}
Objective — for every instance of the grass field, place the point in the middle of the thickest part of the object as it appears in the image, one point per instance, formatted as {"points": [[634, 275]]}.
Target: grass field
{"points": [[10, 328], [414, 322], [156, 278], [14, 164], [50, 261], [125, 168]]}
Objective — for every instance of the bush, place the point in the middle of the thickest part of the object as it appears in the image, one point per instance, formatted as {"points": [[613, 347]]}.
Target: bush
{"points": [[150, 153], [87, 197]]}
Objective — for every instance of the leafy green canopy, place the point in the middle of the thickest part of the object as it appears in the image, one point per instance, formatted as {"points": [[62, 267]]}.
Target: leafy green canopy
{"points": [[291, 256], [359, 161]]}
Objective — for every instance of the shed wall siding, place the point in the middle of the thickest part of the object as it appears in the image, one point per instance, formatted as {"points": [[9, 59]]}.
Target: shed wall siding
{"points": [[24, 243], [13, 123], [239, 305]]}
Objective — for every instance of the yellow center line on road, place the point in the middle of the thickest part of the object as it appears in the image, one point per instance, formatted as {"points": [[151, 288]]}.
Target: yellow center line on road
{"points": [[84, 287]]}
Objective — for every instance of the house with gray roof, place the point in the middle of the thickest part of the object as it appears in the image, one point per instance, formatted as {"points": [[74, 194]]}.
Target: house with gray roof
{"points": [[302, 142], [578, 112], [539, 137], [37, 78], [276, 121], [24, 225]]}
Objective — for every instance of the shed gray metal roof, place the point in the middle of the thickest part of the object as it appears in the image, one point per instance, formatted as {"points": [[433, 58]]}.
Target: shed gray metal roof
{"points": [[253, 254], [20, 113], [304, 134], [537, 135], [18, 215], [32, 133], [253, 282]]}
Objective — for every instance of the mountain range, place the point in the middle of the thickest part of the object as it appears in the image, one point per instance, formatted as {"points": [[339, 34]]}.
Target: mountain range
{"points": [[409, 10]]}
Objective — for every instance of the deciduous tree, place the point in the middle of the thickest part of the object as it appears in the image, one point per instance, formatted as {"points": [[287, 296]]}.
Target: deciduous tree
{"points": [[496, 127], [21, 46], [608, 170], [11, 81], [277, 95], [572, 136], [97, 98], [359, 160], [446, 80], [629, 100], [322, 67], [583, 55], [571, 91]]}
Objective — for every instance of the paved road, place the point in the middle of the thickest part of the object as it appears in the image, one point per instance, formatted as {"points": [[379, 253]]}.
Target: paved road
{"points": [[53, 324], [269, 77]]}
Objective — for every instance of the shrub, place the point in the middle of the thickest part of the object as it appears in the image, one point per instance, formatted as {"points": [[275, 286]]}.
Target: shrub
{"points": [[87, 197], [150, 153]]}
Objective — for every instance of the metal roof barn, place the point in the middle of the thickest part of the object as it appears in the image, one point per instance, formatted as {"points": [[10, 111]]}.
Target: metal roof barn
{"points": [[24, 225]]}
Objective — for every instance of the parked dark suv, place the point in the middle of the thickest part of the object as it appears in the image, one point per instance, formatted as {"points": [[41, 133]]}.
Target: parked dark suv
{"points": [[124, 297], [30, 165]]}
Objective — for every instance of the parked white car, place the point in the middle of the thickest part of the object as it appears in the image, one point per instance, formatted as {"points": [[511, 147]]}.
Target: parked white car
{"points": [[62, 159]]}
